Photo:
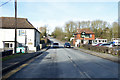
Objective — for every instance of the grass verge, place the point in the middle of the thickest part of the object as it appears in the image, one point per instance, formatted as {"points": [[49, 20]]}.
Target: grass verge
{"points": [[11, 56]]}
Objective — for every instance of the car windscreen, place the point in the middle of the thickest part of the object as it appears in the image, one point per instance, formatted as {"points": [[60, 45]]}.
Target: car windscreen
{"points": [[55, 43], [67, 43], [111, 43]]}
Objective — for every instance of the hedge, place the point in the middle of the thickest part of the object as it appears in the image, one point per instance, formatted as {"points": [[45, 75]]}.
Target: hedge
{"points": [[101, 49]]}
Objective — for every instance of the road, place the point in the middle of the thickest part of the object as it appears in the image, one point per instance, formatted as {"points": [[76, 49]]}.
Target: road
{"points": [[68, 63]]}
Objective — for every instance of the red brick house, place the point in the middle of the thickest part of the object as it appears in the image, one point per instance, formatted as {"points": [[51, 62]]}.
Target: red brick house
{"points": [[83, 36]]}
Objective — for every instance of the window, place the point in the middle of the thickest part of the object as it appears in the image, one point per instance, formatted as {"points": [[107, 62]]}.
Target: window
{"points": [[86, 36], [55, 44], [95, 40], [11, 45], [103, 40], [83, 36], [99, 41], [7, 45], [90, 35], [21, 32]]}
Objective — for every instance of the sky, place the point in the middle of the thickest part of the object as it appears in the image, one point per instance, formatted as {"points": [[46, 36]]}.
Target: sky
{"points": [[54, 13]]}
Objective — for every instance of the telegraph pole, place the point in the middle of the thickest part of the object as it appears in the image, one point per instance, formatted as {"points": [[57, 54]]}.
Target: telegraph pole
{"points": [[15, 47]]}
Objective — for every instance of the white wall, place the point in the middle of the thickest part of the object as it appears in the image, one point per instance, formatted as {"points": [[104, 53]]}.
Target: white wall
{"points": [[30, 39], [6, 35], [1, 38], [77, 42]]}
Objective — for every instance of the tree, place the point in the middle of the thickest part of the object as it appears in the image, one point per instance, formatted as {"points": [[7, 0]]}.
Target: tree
{"points": [[102, 29], [58, 33], [115, 29], [43, 31], [70, 29]]}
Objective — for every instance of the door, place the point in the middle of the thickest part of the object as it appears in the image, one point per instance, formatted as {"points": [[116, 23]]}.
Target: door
{"points": [[90, 41]]}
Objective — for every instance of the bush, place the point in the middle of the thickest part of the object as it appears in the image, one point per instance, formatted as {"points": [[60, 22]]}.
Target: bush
{"points": [[119, 53]]}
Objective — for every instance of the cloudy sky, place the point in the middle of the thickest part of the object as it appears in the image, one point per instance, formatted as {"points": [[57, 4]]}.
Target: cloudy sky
{"points": [[57, 12]]}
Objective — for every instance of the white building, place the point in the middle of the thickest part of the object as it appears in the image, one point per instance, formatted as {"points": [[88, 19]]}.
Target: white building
{"points": [[98, 40], [27, 34], [78, 42], [116, 41]]}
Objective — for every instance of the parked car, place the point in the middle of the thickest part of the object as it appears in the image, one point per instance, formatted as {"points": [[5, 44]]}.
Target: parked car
{"points": [[55, 45], [107, 45], [67, 45]]}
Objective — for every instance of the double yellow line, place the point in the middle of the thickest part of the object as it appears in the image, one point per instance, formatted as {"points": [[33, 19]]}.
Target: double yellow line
{"points": [[16, 70]]}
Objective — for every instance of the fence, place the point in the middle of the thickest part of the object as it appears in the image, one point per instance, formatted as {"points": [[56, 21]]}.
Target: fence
{"points": [[7, 52]]}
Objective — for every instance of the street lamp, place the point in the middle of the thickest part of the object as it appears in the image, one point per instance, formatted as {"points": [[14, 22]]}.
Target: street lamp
{"points": [[83, 33]]}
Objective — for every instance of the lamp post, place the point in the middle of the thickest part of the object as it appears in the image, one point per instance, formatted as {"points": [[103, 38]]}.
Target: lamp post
{"points": [[83, 33]]}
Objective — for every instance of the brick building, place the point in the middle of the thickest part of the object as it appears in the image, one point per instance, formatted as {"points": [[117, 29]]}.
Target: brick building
{"points": [[86, 38]]}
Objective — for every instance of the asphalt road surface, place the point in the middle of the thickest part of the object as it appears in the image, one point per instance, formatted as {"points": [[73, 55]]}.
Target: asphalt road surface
{"points": [[68, 63]]}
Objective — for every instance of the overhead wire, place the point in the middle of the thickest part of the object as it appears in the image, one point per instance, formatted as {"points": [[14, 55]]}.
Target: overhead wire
{"points": [[5, 3]]}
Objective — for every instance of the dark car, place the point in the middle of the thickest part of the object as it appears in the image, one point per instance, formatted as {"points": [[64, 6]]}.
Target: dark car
{"points": [[67, 45]]}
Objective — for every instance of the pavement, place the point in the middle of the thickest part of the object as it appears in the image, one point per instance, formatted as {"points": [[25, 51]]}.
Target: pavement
{"points": [[67, 63], [11, 64]]}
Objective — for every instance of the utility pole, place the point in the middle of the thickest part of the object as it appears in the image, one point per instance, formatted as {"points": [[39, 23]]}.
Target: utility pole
{"points": [[15, 47], [25, 42]]}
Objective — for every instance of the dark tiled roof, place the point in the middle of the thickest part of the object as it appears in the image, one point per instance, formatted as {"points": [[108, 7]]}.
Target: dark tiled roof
{"points": [[84, 30], [9, 23]]}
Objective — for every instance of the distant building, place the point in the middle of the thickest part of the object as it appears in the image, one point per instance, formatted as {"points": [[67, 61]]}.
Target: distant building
{"points": [[116, 41], [86, 38], [27, 34], [99, 40]]}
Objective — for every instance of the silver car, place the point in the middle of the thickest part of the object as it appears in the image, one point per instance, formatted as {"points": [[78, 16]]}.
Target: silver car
{"points": [[55, 45]]}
